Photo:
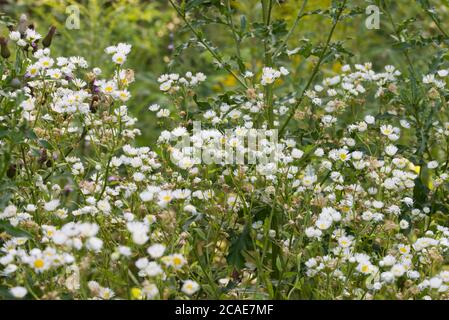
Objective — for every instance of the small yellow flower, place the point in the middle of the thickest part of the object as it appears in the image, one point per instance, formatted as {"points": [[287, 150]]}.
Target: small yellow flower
{"points": [[136, 293]]}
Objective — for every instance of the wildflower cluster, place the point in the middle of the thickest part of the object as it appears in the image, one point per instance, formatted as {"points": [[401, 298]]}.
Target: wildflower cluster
{"points": [[348, 204]]}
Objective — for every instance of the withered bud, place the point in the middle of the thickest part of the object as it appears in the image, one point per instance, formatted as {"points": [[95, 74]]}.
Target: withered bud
{"points": [[93, 104], [67, 189], [49, 37], [90, 77], [11, 171], [43, 156], [4, 51]]}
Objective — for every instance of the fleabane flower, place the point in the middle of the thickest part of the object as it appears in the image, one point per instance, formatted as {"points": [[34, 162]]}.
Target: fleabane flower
{"points": [[190, 287], [156, 250], [176, 260], [18, 292], [269, 75]]}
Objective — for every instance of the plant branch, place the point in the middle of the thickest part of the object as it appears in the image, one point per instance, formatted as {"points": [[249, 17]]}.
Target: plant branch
{"points": [[315, 69], [292, 29], [204, 43]]}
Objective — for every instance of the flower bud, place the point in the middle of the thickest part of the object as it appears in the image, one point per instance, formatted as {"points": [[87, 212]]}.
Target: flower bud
{"points": [[49, 37], [4, 51], [12, 170], [15, 83]]}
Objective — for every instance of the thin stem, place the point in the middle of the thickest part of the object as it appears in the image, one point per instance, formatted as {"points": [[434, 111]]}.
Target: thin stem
{"points": [[268, 91], [398, 35], [204, 43], [435, 20], [315, 69], [231, 24], [290, 32]]}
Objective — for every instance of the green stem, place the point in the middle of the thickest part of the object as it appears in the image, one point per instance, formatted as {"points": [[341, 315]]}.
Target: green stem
{"points": [[290, 32], [268, 94], [315, 69], [204, 43]]}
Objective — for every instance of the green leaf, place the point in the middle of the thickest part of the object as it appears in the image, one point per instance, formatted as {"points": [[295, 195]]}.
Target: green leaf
{"points": [[4, 132], [5, 294], [243, 23], [45, 144], [239, 245], [203, 105], [13, 231], [420, 192]]}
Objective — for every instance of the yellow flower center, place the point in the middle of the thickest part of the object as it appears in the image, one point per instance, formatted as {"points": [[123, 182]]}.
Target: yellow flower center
{"points": [[39, 263], [177, 261]]}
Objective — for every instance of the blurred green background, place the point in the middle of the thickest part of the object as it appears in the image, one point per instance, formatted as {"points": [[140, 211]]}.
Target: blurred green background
{"points": [[155, 31]]}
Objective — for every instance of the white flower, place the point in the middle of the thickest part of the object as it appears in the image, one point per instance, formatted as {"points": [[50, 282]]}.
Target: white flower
{"points": [[95, 244], [323, 224], [14, 35], [51, 205], [124, 251], [106, 293], [153, 269], [146, 196], [443, 73], [403, 224], [388, 276], [398, 270], [284, 71], [18, 292], [190, 287], [156, 250], [269, 75], [176, 260], [165, 86], [154, 107], [370, 119], [297, 154], [104, 206], [432, 164], [119, 58], [391, 150], [435, 282], [139, 232], [387, 130], [31, 35], [248, 74], [163, 113], [344, 242]]}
